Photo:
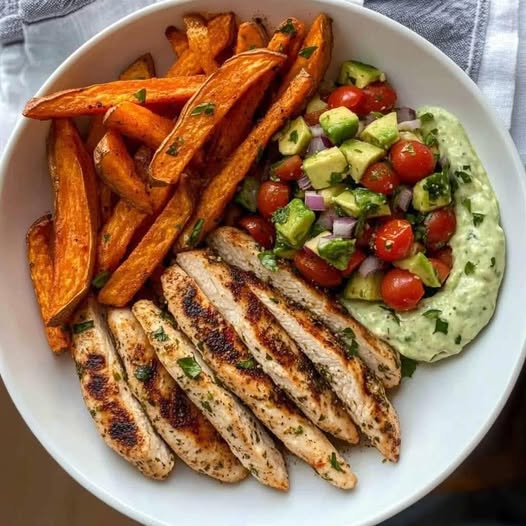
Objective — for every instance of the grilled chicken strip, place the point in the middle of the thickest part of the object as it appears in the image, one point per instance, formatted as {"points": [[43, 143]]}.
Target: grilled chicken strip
{"points": [[240, 250], [225, 353], [270, 345], [361, 392], [249, 442], [119, 417], [182, 426]]}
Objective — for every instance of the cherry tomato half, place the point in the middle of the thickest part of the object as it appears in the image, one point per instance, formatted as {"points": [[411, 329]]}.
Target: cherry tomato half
{"points": [[271, 196], [381, 178], [379, 96], [314, 269], [394, 240], [365, 238], [288, 169], [356, 259], [412, 160], [441, 268], [440, 226], [401, 290], [258, 228], [349, 96], [445, 255]]}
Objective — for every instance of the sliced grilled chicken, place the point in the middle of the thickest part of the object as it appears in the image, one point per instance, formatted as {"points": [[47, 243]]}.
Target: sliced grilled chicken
{"points": [[182, 426], [270, 345], [243, 433], [233, 364], [240, 250], [361, 392], [120, 419]]}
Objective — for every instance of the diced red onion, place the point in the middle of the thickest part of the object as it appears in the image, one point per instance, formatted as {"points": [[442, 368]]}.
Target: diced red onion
{"points": [[403, 198], [369, 118], [327, 218], [326, 141], [314, 201], [304, 183], [316, 130], [410, 125], [344, 227], [316, 145], [369, 265], [405, 114]]}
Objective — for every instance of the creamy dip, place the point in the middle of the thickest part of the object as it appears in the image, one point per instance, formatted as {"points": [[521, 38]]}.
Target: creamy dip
{"points": [[467, 301]]}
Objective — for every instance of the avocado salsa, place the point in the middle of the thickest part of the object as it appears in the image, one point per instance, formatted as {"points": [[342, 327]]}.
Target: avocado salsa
{"points": [[388, 207]]}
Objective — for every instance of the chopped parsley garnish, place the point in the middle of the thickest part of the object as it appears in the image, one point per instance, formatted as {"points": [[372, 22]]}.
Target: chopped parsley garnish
{"points": [[306, 52], [84, 326], [293, 136], [298, 430], [196, 231], [426, 117], [441, 326], [190, 367], [208, 108], [143, 373], [249, 363], [458, 339], [106, 238], [140, 95], [173, 149], [493, 261], [469, 268], [281, 215], [268, 260], [392, 312], [288, 28], [432, 314], [100, 279], [466, 178], [408, 367], [336, 177], [351, 349], [478, 218], [334, 463], [206, 405], [431, 138], [160, 335]]}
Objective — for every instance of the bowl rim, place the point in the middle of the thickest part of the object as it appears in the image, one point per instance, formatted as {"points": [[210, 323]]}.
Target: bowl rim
{"points": [[38, 429]]}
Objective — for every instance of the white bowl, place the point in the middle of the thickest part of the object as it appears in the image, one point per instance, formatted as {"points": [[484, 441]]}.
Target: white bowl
{"points": [[445, 410]]}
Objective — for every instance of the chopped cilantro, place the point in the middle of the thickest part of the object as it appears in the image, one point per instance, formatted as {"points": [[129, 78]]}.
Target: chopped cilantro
{"points": [[426, 117], [458, 339], [160, 335], [336, 177], [268, 260], [293, 136], [334, 463], [466, 178], [392, 312], [100, 279], [408, 367], [106, 237], [206, 405], [196, 231], [249, 363], [306, 52], [207, 108], [298, 430], [467, 204], [493, 261], [143, 373], [140, 95], [432, 314], [478, 218], [173, 149], [441, 326], [431, 138], [84, 326], [469, 268], [190, 367], [281, 215], [288, 28]]}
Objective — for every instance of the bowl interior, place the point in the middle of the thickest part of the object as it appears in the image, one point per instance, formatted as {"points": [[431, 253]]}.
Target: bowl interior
{"points": [[444, 410]]}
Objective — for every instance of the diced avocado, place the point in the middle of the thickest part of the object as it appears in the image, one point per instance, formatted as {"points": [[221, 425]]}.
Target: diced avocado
{"points": [[316, 104], [281, 249], [367, 288], [247, 194], [359, 74], [422, 267], [410, 136], [330, 193], [295, 137], [293, 222], [360, 201], [326, 168], [339, 124], [360, 155], [432, 192], [382, 132], [312, 244], [336, 251]]}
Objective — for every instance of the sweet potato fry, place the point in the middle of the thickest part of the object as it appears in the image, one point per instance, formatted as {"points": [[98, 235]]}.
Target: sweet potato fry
{"points": [[207, 108], [138, 123], [75, 225], [222, 187], [140, 69], [221, 31], [250, 35], [316, 55], [96, 132], [107, 201], [199, 42], [239, 120], [141, 160], [39, 237], [116, 168], [177, 40], [99, 98], [131, 275]]}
